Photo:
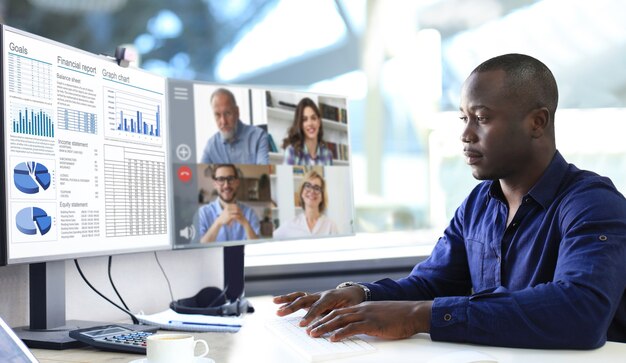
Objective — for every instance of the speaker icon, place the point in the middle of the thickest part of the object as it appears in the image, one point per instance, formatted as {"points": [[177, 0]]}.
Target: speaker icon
{"points": [[188, 232]]}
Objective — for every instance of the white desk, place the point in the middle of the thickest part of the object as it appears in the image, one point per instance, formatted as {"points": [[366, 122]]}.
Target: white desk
{"points": [[254, 343]]}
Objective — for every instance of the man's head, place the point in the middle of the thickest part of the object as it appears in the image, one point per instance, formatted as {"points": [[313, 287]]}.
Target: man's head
{"points": [[226, 182], [508, 105], [226, 112]]}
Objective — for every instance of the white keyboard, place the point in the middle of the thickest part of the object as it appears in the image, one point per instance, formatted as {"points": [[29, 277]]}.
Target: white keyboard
{"points": [[315, 349]]}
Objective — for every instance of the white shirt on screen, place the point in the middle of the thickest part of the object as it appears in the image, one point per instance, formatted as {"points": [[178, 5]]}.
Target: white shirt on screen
{"points": [[299, 228]]}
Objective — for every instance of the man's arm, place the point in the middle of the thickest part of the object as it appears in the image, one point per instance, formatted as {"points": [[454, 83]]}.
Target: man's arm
{"points": [[250, 223], [571, 311], [211, 233]]}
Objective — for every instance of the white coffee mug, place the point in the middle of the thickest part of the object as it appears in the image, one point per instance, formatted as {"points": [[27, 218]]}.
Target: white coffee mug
{"points": [[179, 348]]}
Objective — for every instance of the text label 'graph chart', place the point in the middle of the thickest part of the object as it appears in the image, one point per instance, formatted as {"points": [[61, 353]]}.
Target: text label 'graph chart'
{"points": [[75, 120], [29, 120], [133, 117]]}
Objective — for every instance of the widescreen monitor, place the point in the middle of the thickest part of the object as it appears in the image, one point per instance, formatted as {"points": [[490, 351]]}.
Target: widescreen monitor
{"points": [[98, 159], [84, 154]]}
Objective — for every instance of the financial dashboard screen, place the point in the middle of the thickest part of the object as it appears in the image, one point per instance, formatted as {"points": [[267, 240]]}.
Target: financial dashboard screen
{"points": [[85, 153]]}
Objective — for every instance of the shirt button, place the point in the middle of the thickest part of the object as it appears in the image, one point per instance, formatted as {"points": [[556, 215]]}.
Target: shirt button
{"points": [[513, 224], [602, 237], [526, 200], [447, 317]]}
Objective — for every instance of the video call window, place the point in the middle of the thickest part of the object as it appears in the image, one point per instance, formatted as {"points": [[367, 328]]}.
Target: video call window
{"points": [[269, 165]]}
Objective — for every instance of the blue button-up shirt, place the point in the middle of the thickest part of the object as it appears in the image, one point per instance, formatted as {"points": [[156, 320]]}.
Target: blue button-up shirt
{"points": [[207, 215], [249, 146], [554, 278]]}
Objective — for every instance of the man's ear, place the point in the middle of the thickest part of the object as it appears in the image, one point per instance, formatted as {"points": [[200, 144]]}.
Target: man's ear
{"points": [[540, 121]]}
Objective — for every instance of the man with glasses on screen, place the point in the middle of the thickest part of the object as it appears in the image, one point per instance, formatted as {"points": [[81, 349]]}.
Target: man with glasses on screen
{"points": [[235, 142], [226, 219], [535, 257]]}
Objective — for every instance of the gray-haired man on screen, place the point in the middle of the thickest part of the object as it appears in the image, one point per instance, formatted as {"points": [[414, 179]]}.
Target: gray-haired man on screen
{"points": [[235, 142]]}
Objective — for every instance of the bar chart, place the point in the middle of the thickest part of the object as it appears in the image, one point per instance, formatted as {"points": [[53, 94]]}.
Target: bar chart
{"points": [[75, 120], [30, 120], [133, 116]]}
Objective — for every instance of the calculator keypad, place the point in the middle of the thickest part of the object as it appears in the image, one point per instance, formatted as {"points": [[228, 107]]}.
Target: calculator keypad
{"points": [[135, 338]]}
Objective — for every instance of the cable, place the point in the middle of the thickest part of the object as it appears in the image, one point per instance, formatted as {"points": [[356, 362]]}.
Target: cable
{"points": [[135, 321], [169, 286], [223, 293], [99, 293]]}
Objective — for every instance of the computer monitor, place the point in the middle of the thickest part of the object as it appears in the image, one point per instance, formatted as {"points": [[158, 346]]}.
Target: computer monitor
{"points": [[270, 189], [83, 162], [99, 159]]}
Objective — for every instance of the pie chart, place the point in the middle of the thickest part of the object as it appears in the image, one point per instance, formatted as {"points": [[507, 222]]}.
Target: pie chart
{"points": [[32, 219], [29, 176]]}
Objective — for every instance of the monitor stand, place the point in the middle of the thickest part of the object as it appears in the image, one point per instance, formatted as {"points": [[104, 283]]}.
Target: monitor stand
{"points": [[48, 328], [234, 274]]}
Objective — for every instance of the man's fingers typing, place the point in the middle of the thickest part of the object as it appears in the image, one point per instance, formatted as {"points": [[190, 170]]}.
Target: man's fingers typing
{"points": [[294, 302]]}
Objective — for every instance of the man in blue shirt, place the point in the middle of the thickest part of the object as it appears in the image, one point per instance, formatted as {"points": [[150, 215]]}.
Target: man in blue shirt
{"points": [[235, 142], [535, 257], [226, 219]]}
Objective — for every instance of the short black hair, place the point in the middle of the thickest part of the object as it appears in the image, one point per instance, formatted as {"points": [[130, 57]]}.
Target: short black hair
{"points": [[527, 79]]}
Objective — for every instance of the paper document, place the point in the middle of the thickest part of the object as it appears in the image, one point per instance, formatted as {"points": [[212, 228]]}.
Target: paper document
{"points": [[171, 320]]}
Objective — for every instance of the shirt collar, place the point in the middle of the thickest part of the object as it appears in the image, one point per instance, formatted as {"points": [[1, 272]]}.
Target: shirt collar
{"points": [[545, 189], [305, 151]]}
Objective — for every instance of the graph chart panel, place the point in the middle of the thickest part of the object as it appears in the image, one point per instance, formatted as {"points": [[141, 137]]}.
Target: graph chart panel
{"points": [[133, 117]]}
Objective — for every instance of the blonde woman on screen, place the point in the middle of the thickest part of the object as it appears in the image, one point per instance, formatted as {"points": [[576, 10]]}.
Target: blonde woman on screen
{"points": [[313, 221]]}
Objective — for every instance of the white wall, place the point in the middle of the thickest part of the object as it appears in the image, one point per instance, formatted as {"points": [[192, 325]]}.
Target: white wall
{"points": [[137, 277]]}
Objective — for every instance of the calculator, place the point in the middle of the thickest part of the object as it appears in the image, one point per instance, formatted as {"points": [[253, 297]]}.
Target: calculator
{"points": [[115, 337]]}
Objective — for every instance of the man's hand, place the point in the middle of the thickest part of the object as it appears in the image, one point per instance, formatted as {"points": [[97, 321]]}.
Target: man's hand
{"points": [[230, 213], [318, 304], [384, 319]]}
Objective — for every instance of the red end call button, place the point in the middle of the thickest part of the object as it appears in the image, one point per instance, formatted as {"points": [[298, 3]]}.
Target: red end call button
{"points": [[184, 174]]}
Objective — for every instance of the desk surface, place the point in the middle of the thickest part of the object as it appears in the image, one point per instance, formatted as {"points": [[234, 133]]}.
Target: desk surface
{"points": [[254, 343]]}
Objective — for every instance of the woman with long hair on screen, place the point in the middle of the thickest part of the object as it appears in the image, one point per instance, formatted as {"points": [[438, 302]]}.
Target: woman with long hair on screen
{"points": [[304, 144], [313, 221]]}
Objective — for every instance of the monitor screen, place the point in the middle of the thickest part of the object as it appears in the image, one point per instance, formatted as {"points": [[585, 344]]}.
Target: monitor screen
{"points": [[257, 164], [84, 153], [99, 159]]}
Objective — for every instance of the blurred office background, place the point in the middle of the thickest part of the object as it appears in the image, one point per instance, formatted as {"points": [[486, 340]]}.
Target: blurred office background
{"points": [[400, 62]]}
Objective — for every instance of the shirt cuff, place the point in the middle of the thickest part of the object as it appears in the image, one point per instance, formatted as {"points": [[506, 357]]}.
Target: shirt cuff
{"points": [[449, 319]]}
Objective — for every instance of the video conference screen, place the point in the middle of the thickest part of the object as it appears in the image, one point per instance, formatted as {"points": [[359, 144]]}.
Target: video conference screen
{"points": [[242, 168], [98, 159]]}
